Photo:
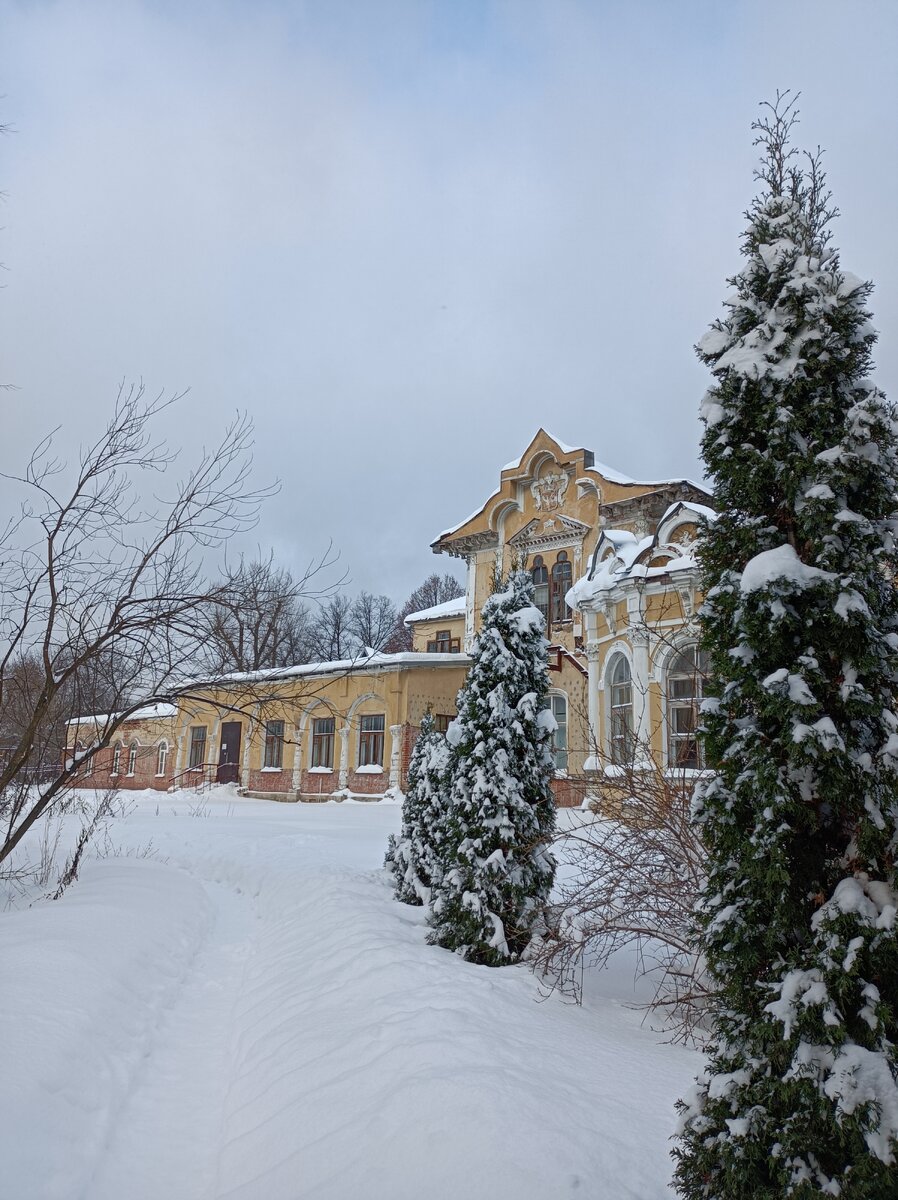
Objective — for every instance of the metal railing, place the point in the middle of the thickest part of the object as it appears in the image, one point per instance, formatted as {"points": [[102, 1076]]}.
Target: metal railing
{"points": [[196, 779]]}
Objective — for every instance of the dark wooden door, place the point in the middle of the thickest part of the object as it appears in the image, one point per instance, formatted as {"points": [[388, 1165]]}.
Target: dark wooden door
{"points": [[229, 755]]}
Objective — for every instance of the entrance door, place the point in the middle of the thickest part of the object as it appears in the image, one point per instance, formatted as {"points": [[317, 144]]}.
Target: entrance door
{"points": [[229, 755]]}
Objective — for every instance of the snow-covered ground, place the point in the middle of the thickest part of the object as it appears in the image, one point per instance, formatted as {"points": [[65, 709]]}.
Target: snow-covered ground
{"points": [[234, 1006]]}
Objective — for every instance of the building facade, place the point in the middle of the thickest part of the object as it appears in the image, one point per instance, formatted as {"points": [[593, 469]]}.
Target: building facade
{"points": [[614, 575]]}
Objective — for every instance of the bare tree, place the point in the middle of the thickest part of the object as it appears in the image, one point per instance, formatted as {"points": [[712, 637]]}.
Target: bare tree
{"points": [[92, 573], [633, 866], [436, 589], [334, 637], [260, 617], [372, 620]]}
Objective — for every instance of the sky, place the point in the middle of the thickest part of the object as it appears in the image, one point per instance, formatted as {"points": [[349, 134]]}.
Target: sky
{"points": [[404, 235]]}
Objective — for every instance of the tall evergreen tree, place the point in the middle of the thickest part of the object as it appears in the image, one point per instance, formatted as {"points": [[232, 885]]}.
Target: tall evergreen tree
{"points": [[797, 921], [413, 856], [500, 813]]}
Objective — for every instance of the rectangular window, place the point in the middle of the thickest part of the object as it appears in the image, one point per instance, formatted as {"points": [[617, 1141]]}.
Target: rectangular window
{"points": [[197, 747], [683, 750], [444, 643], [274, 745], [371, 741], [441, 722], [323, 742]]}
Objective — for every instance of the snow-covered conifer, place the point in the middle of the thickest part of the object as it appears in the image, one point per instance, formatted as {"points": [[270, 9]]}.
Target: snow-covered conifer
{"points": [[413, 856], [797, 920], [497, 866]]}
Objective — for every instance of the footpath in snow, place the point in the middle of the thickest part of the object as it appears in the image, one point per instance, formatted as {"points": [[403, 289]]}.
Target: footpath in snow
{"points": [[248, 1014]]}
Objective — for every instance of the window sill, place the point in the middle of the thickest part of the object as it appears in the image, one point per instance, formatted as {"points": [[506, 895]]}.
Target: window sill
{"points": [[370, 769], [321, 770], [272, 770]]}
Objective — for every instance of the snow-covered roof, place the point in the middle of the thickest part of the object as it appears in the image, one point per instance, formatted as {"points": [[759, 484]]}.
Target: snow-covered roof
{"points": [[620, 556], [149, 712], [449, 608], [513, 466], [378, 661]]}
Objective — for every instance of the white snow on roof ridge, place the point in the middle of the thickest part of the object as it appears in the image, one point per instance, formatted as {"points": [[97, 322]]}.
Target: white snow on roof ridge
{"points": [[348, 665], [449, 608], [147, 712]]}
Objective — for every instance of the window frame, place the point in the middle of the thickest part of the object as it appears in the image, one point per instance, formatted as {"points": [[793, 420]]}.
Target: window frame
{"points": [[691, 703], [621, 735], [322, 738], [540, 586], [161, 758], [273, 750], [444, 643], [116, 758], [562, 751], [193, 744], [371, 741], [561, 582], [133, 752]]}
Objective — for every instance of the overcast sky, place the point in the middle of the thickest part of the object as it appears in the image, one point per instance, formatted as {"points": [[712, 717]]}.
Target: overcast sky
{"points": [[405, 235]]}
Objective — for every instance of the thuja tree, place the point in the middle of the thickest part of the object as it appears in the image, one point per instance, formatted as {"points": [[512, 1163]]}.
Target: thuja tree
{"points": [[798, 916], [500, 813], [413, 856]]}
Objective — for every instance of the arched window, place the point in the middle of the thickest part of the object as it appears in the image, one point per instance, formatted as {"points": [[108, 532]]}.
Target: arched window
{"points": [[116, 758], [162, 758], [562, 578], [684, 694], [621, 711], [89, 763], [540, 576], [559, 739], [132, 757]]}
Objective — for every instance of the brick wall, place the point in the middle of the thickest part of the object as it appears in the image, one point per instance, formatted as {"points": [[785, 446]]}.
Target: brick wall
{"points": [[144, 775], [270, 781]]}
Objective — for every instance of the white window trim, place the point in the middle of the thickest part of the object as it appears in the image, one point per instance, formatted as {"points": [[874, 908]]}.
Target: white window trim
{"points": [[162, 745]]}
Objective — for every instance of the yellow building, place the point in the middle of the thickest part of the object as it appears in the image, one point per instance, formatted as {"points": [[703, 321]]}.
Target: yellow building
{"points": [[615, 578]]}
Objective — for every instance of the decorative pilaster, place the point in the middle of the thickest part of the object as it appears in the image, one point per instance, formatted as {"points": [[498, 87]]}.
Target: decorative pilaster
{"points": [[343, 777], [395, 755], [296, 778], [593, 651], [247, 743], [470, 586], [639, 640]]}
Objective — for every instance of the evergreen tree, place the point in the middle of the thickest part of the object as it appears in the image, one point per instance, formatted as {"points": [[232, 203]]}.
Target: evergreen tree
{"points": [[413, 857], [500, 812], [797, 921]]}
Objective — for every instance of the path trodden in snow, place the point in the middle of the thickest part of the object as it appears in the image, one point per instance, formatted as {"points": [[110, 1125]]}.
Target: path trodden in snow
{"points": [[250, 1015]]}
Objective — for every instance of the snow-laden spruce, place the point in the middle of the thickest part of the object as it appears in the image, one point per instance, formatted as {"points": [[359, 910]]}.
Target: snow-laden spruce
{"points": [[413, 856], [497, 869], [798, 917]]}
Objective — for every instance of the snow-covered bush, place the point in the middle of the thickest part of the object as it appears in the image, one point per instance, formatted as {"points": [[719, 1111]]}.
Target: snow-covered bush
{"points": [[797, 920], [497, 869], [413, 856]]}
